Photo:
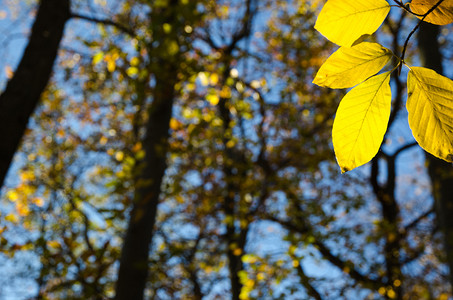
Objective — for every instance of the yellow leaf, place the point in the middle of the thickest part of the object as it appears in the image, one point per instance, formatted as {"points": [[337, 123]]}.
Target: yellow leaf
{"points": [[119, 155], [98, 57], [213, 99], [174, 124], [103, 140], [442, 15], [12, 195], [213, 79], [249, 259], [361, 122], [53, 244], [391, 294], [38, 201], [12, 218], [22, 209], [346, 21], [348, 67], [190, 87], [237, 251], [430, 107], [111, 66], [167, 27], [225, 92], [132, 71], [135, 61], [172, 48]]}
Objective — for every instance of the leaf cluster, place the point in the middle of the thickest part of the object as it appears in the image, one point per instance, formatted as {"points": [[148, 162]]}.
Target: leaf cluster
{"points": [[363, 115]]}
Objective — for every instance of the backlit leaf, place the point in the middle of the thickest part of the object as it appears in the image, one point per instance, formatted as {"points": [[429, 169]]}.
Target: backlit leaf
{"points": [[348, 67], [361, 122], [345, 21], [442, 15], [430, 107], [98, 57]]}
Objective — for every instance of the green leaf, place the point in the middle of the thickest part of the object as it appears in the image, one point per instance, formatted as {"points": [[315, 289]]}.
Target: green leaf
{"points": [[348, 67], [361, 122], [345, 21], [442, 15], [430, 107]]}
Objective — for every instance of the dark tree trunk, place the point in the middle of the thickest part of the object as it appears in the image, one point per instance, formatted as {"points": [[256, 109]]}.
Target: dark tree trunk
{"points": [[133, 271], [24, 90], [440, 172], [385, 194]]}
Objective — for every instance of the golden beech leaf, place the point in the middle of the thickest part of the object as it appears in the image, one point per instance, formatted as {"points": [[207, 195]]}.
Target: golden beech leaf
{"points": [[361, 122], [344, 22], [348, 67], [442, 15], [430, 107]]}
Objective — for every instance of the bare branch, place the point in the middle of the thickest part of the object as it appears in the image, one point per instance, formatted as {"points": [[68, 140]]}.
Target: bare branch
{"points": [[107, 22]]}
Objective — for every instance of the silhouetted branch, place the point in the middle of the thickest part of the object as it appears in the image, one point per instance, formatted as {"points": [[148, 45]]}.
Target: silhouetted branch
{"points": [[107, 22]]}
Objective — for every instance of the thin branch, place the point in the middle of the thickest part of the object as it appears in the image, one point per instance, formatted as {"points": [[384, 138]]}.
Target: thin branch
{"points": [[107, 22], [397, 103], [418, 219], [418, 25], [400, 4], [246, 27], [306, 282], [404, 148], [327, 254]]}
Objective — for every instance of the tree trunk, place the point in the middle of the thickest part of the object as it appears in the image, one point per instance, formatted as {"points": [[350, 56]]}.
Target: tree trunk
{"points": [[440, 172], [24, 90], [133, 270]]}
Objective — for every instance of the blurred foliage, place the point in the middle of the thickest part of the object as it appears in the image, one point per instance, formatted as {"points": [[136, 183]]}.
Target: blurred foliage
{"points": [[252, 203]]}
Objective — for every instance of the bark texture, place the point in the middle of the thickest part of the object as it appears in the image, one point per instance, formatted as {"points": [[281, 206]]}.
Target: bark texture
{"points": [[24, 90], [440, 172]]}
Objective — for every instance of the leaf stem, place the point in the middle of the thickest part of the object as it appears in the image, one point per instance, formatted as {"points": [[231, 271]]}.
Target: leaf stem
{"points": [[404, 7], [416, 27]]}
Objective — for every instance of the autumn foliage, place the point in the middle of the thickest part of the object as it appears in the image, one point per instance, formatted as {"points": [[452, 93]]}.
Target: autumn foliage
{"points": [[363, 114]]}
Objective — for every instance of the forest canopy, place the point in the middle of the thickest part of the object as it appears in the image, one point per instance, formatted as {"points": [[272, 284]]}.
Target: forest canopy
{"points": [[196, 149]]}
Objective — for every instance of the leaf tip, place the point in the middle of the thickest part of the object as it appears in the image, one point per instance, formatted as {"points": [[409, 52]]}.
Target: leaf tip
{"points": [[317, 81]]}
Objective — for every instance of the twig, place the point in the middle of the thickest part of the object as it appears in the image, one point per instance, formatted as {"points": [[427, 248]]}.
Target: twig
{"points": [[416, 27], [400, 4], [105, 22]]}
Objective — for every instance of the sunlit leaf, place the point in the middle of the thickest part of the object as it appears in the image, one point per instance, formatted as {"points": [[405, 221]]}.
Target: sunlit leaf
{"points": [[132, 71], [430, 107], [12, 218], [442, 15], [98, 57], [346, 21], [213, 99], [213, 78], [53, 244], [135, 61], [361, 122], [348, 67]]}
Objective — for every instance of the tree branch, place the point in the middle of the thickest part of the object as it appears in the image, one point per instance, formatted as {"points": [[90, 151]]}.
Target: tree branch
{"points": [[333, 259], [107, 22]]}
